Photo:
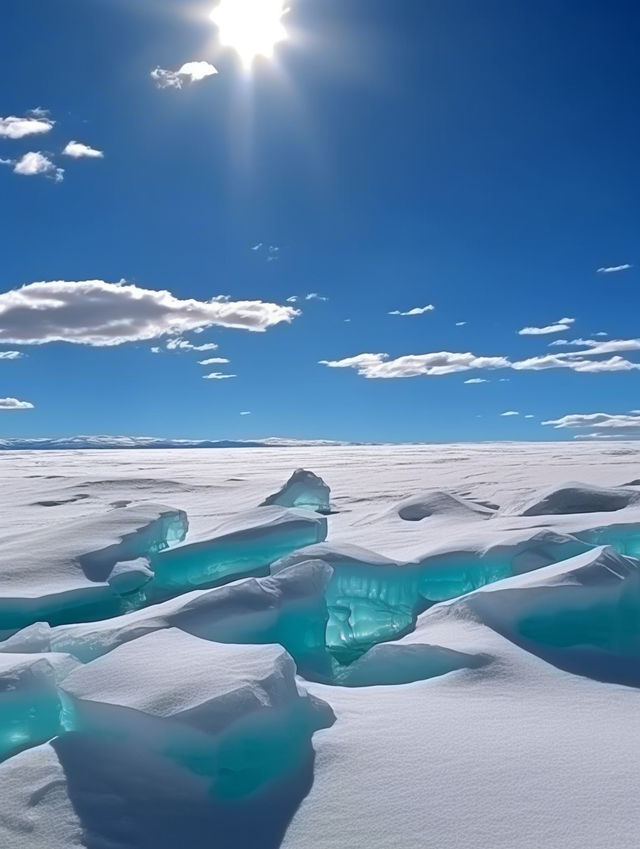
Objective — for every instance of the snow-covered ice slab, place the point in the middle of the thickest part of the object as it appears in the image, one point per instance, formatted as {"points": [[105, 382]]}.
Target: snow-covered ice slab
{"points": [[61, 573]]}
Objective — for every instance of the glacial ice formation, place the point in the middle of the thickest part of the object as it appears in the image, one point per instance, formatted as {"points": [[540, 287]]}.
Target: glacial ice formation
{"points": [[303, 489]]}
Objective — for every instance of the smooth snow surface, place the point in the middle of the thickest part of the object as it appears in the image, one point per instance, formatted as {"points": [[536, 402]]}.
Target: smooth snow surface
{"points": [[442, 650]]}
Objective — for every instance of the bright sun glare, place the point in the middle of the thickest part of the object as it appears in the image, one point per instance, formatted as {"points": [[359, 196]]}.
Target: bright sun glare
{"points": [[251, 27]]}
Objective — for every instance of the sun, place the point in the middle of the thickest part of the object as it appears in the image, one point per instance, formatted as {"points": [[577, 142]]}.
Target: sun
{"points": [[251, 27]]}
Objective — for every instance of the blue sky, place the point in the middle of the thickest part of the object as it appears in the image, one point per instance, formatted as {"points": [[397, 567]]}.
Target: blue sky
{"points": [[479, 156]]}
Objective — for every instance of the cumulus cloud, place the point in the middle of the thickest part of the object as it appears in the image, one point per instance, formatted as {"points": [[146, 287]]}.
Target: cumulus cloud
{"points": [[15, 404], [414, 311], [510, 413], [416, 365], [213, 361], [94, 312], [77, 150], [34, 123], [190, 72], [613, 269], [559, 326], [216, 375], [34, 163]]}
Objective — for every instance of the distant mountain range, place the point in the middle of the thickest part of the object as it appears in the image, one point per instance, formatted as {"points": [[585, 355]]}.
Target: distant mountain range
{"points": [[124, 442]]}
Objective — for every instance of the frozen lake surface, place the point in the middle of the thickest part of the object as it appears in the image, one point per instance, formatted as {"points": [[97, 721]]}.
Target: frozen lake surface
{"points": [[413, 646]]}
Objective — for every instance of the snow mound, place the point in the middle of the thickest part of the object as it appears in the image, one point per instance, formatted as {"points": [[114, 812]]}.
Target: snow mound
{"points": [[581, 615], [440, 503], [303, 489], [581, 498]]}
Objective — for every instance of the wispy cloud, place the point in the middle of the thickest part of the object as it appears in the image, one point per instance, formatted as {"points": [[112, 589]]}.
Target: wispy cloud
{"points": [[613, 269], [34, 123], [595, 348], [559, 326], [314, 296], [216, 375], [245, 413], [600, 425], [94, 312], [77, 150], [33, 164], [477, 380], [180, 344], [11, 355], [15, 404], [510, 413], [190, 72], [212, 361], [414, 311], [576, 363], [461, 323]]}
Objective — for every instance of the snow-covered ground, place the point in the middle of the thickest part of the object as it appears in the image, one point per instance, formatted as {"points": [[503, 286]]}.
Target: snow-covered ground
{"points": [[444, 651]]}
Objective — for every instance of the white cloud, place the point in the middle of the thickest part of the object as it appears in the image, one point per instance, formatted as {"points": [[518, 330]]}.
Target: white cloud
{"points": [[94, 312], [595, 348], [256, 247], [77, 150], [245, 413], [15, 404], [190, 72], [600, 421], [416, 365], [612, 269], [185, 345], [212, 361], [293, 299], [33, 164], [477, 380], [314, 296], [529, 416], [10, 355], [415, 310], [35, 123], [575, 362], [510, 413], [461, 323], [216, 375], [557, 327]]}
